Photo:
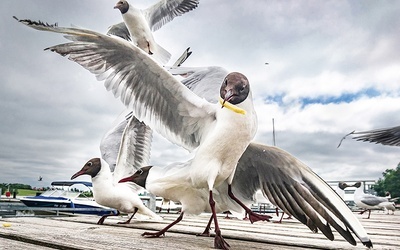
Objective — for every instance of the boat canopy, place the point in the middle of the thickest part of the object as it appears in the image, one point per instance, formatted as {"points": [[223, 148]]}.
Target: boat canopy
{"points": [[70, 183]]}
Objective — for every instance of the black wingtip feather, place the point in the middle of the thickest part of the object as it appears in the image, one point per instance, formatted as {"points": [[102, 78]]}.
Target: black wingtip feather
{"points": [[368, 244], [35, 23]]}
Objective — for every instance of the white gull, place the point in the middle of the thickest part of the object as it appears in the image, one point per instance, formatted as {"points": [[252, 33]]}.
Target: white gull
{"points": [[284, 180], [141, 23], [369, 201], [133, 152]]}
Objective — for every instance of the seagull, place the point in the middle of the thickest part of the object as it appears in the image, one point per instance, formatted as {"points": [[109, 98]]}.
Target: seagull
{"points": [[40, 178], [283, 179], [141, 23], [369, 201], [385, 136], [261, 167], [218, 132], [134, 152], [270, 169]]}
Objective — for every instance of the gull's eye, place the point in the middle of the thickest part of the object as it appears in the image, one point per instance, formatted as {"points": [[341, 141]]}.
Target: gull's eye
{"points": [[140, 171], [89, 164]]}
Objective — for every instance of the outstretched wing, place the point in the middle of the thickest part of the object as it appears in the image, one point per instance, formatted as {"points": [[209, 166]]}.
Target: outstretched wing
{"points": [[134, 151], [201, 80], [385, 136], [111, 141], [297, 190], [164, 11], [153, 94], [120, 30], [185, 55]]}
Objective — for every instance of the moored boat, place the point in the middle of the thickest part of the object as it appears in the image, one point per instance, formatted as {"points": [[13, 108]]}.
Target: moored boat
{"points": [[63, 195]]}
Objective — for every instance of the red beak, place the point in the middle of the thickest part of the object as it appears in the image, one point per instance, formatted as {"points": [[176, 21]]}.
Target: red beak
{"points": [[126, 179], [79, 173]]}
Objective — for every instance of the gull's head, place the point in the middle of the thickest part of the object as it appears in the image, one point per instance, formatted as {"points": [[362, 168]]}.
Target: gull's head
{"points": [[92, 168], [139, 177], [343, 185], [357, 184], [235, 88], [122, 5]]}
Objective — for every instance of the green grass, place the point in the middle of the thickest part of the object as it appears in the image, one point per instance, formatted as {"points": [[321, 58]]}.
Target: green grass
{"points": [[27, 192]]}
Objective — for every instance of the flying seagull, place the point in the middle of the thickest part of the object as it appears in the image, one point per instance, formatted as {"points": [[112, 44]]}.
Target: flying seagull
{"points": [[141, 23], [385, 136], [219, 132], [133, 152]]}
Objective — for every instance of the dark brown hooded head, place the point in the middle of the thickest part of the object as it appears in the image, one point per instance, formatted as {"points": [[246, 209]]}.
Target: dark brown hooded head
{"points": [[92, 168], [139, 177], [122, 5], [235, 88]]}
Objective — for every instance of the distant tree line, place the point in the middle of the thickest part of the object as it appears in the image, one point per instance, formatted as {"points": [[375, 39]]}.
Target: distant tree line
{"points": [[390, 182], [13, 186]]}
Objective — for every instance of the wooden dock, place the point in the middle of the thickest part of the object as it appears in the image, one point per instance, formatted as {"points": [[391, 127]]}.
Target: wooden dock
{"points": [[82, 232]]}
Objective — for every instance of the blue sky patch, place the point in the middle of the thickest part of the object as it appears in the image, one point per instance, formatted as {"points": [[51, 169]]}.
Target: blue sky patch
{"points": [[346, 97]]}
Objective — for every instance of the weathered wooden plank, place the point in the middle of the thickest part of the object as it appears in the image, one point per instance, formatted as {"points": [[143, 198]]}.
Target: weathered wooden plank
{"points": [[72, 235], [7, 244], [82, 232], [271, 233], [276, 233]]}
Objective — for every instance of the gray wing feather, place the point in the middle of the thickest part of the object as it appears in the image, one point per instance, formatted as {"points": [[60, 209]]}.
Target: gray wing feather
{"points": [[134, 151], [111, 141], [155, 96], [185, 55], [164, 11], [110, 144], [385, 136], [297, 190], [372, 200], [204, 81], [120, 30]]}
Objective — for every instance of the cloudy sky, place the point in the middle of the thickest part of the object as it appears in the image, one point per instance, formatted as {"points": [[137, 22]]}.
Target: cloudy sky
{"points": [[333, 67]]}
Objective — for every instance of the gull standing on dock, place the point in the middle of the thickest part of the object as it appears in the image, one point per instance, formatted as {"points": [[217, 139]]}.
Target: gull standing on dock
{"points": [[369, 201], [283, 179], [134, 152]]}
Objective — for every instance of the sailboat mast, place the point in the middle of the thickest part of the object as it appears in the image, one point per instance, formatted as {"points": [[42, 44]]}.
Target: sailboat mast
{"points": [[273, 131]]}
